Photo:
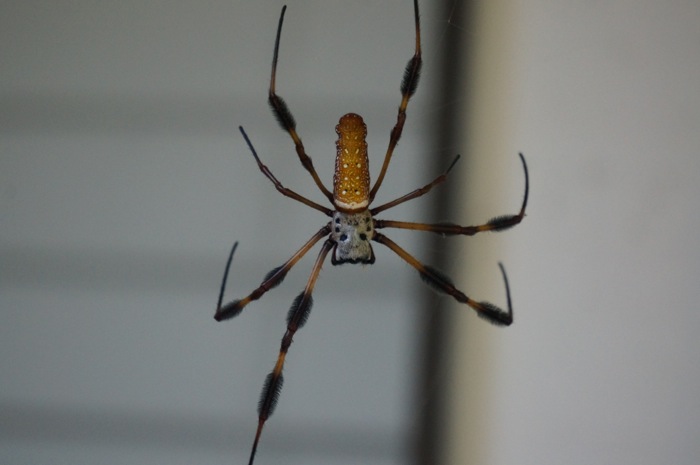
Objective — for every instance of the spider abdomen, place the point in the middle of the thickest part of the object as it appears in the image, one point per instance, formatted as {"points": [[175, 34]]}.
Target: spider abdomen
{"points": [[351, 177]]}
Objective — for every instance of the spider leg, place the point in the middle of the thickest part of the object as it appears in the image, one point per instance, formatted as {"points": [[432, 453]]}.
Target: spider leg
{"points": [[278, 185], [416, 193], [442, 283], [499, 223], [285, 118], [408, 88], [297, 316], [272, 279], [225, 278]]}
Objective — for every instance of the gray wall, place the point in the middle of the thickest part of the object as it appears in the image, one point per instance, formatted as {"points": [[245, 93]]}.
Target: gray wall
{"points": [[123, 183]]}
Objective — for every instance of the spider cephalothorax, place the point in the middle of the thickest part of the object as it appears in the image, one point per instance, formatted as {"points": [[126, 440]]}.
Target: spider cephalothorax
{"points": [[351, 233], [353, 223]]}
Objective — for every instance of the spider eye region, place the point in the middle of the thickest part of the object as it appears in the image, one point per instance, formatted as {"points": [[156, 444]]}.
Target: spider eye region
{"points": [[351, 176], [352, 233]]}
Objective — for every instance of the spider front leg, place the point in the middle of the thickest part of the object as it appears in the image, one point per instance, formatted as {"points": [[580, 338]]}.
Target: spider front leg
{"points": [[409, 84], [442, 283], [271, 280], [285, 118], [499, 223], [296, 318]]}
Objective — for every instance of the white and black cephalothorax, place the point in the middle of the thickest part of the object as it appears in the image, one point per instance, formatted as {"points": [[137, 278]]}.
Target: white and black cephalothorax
{"points": [[352, 233]]}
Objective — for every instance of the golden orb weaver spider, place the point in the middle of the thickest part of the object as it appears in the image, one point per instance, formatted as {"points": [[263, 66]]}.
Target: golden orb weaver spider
{"points": [[353, 224]]}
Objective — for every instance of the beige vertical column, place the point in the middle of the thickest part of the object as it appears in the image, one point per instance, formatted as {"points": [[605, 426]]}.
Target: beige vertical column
{"points": [[491, 165]]}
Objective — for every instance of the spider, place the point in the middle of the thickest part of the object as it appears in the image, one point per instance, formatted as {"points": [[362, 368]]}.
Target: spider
{"points": [[352, 224]]}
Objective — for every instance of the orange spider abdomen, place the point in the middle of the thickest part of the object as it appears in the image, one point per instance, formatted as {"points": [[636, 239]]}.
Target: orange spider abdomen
{"points": [[351, 177]]}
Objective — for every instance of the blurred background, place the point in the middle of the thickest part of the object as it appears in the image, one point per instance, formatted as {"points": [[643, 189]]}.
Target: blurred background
{"points": [[124, 181]]}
